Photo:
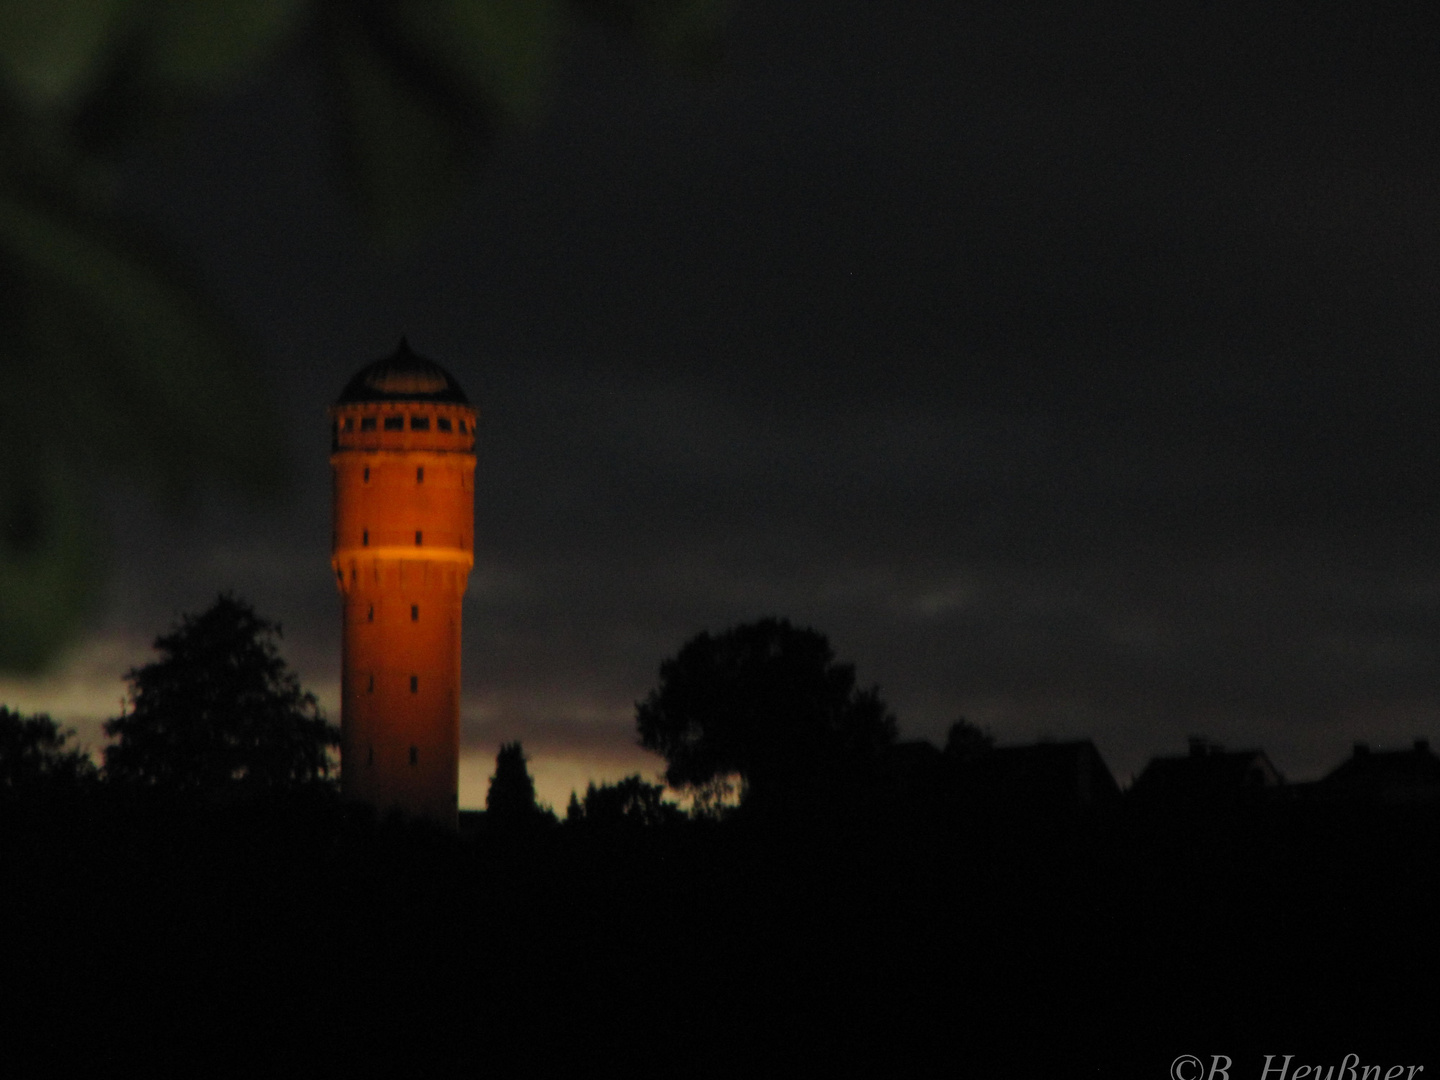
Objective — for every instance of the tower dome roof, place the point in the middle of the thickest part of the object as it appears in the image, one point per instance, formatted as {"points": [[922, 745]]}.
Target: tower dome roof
{"points": [[403, 376]]}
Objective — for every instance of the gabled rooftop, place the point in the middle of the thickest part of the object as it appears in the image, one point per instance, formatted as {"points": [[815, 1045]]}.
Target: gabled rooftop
{"points": [[1411, 775], [1208, 771], [1070, 773]]}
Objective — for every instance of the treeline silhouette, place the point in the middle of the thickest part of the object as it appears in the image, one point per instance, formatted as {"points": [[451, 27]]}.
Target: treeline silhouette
{"points": [[897, 914]]}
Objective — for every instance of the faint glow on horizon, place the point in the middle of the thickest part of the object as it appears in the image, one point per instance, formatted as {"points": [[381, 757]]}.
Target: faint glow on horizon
{"points": [[555, 776], [568, 743], [86, 688]]}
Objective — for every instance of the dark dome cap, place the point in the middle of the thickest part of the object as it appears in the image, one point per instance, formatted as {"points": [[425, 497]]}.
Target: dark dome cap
{"points": [[403, 376]]}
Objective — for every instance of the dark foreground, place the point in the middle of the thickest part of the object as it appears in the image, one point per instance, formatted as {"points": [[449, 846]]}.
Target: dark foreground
{"points": [[289, 937]]}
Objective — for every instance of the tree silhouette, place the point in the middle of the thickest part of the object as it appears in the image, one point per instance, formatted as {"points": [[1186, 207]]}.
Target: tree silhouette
{"points": [[965, 740], [767, 702], [33, 753], [219, 707], [630, 801], [512, 790]]}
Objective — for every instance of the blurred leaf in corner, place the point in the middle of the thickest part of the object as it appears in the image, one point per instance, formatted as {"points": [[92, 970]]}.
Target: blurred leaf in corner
{"points": [[685, 33], [204, 46], [112, 359], [111, 363], [51, 52], [47, 560], [417, 89]]}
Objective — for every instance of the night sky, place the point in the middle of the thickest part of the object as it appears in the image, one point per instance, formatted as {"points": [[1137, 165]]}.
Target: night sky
{"points": [[1072, 367]]}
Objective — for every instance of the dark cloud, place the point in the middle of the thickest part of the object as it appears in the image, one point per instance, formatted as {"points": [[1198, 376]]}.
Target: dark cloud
{"points": [[1072, 368]]}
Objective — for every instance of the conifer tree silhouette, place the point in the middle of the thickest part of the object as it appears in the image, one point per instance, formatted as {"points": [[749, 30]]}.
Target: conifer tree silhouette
{"points": [[512, 790]]}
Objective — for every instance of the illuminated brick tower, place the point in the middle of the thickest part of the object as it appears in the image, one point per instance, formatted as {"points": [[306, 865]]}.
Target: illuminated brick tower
{"points": [[403, 543]]}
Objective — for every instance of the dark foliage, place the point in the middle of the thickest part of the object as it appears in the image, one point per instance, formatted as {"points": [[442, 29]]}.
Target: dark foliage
{"points": [[511, 797], [219, 708], [34, 753], [965, 740], [630, 802], [765, 701], [294, 935]]}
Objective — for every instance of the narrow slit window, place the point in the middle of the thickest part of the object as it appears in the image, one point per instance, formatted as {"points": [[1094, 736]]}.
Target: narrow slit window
{"points": [[370, 614], [367, 423], [394, 423], [364, 537], [419, 538], [420, 474], [419, 423], [462, 427], [442, 423], [414, 755], [414, 612], [349, 423], [414, 684], [370, 687], [367, 474]]}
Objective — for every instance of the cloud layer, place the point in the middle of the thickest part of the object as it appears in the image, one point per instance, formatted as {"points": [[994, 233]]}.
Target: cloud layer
{"points": [[1073, 370]]}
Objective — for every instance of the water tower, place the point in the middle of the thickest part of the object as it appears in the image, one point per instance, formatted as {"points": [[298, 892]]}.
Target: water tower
{"points": [[403, 461]]}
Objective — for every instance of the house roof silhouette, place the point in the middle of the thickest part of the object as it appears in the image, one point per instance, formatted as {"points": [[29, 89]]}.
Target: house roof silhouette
{"points": [[1208, 773], [1386, 776], [1054, 774]]}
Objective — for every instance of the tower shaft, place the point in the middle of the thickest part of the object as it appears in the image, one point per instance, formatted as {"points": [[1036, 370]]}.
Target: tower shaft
{"points": [[403, 546]]}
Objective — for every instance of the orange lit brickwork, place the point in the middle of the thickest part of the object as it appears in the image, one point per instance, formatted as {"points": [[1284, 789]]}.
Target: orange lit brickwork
{"points": [[403, 463]]}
